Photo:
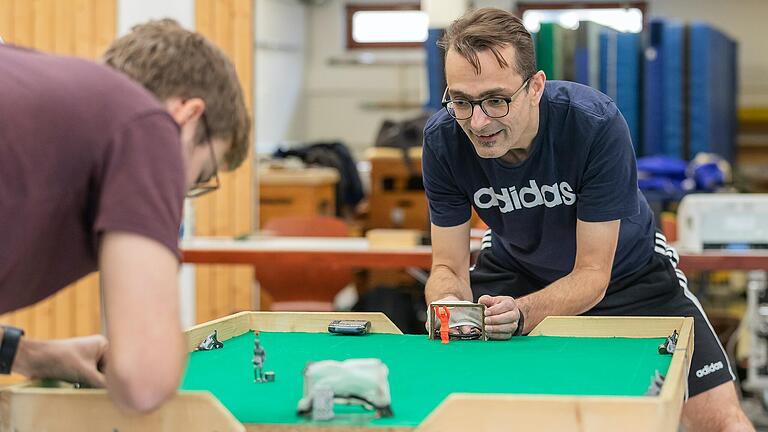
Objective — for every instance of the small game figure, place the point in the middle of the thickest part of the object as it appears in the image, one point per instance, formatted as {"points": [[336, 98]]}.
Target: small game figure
{"points": [[444, 315], [657, 380], [258, 359], [210, 343], [669, 345]]}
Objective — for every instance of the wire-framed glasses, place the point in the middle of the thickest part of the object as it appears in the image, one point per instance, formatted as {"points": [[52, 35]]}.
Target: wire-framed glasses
{"points": [[209, 183]]}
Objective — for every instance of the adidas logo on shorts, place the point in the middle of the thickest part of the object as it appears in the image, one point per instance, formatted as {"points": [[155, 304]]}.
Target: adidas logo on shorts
{"points": [[708, 369]]}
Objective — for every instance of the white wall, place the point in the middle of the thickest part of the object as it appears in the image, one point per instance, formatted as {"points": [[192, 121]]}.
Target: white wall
{"points": [[132, 12], [280, 52], [334, 95]]}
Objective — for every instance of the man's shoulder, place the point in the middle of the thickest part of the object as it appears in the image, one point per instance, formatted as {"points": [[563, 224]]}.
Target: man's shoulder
{"points": [[439, 122], [440, 128], [580, 98], [86, 86], [126, 96]]}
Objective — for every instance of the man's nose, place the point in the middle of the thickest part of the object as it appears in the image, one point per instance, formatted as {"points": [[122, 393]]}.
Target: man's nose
{"points": [[479, 119]]}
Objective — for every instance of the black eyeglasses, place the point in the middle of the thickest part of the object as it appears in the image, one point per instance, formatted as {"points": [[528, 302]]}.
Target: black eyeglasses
{"points": [[492, 106], [209, 184]]}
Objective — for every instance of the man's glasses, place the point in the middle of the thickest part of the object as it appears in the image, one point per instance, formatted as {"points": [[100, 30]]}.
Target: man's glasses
{"points": [[210, 183], [492, 106]]}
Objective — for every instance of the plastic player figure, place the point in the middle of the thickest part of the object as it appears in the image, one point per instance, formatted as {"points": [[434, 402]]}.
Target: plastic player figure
{"points": [[444, 315], [669, 345], [258, 359], [211, 342]]}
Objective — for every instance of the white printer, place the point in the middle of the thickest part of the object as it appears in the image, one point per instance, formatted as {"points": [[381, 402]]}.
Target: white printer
{"points": [[723, 222]]}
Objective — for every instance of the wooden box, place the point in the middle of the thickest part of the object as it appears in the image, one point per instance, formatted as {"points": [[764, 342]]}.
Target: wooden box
{"points": [[296, 192]]}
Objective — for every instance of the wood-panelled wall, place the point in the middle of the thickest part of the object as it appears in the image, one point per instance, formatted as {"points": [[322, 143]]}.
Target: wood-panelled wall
{"points": [[82, 28], [222, 290]]}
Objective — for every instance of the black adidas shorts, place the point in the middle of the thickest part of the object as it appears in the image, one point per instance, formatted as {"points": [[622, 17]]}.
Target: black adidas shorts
{"points": [[658, 289]]}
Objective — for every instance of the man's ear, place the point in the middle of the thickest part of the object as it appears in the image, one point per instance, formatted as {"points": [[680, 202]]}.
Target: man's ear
{"points": [[537, 86], [184, 110]]}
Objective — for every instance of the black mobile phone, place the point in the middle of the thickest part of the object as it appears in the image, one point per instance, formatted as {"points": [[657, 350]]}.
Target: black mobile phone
{"points": [[350, 327]]}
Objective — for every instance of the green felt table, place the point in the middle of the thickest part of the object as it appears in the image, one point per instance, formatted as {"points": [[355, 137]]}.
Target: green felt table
{"points": [[423, 372], [592, 369], [569, 374]]}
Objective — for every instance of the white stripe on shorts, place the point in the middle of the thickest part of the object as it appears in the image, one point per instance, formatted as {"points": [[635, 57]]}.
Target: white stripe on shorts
{"points": [[671, 253]]}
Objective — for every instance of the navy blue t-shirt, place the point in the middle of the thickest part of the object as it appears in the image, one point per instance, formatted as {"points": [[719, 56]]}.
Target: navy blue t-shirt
{"points": [[581, 166]]}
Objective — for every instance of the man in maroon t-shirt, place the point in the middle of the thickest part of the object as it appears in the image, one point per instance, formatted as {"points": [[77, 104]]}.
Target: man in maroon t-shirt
{"points": [[95, 162]]}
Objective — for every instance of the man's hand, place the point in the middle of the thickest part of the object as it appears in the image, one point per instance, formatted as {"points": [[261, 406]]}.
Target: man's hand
{"points": [[501, 316], [77, 360]]}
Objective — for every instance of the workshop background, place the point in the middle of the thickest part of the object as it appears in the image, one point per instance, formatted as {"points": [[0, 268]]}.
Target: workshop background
{"points": [[340, 90]]}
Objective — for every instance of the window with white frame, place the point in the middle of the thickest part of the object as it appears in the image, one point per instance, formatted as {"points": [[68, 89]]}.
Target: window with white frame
{"points": [[401, 25]]}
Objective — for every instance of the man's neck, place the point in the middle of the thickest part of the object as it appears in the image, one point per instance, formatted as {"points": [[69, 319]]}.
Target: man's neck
{"points": [[521, 153], [516, 156]]}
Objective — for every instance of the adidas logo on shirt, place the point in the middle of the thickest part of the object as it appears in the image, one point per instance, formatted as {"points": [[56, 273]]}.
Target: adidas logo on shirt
{"points": [[708, 369], [510, 199]]}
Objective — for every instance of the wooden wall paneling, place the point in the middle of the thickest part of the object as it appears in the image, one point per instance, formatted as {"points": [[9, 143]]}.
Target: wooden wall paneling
{"points": [[6, 20], [23, 20], [225, 202], [87, 306], [105, 12], [243, 49], [235, 285], [228, 23], [201, 206], [42, 21], [244, 59], [84, 43], [208, 203]]}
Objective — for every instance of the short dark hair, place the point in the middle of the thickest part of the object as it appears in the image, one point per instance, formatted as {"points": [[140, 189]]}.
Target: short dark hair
{"points": [[171, 61], [491, 29]]}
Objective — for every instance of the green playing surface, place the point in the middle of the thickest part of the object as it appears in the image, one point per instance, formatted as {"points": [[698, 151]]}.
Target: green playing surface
{"points": [[423, 372]]}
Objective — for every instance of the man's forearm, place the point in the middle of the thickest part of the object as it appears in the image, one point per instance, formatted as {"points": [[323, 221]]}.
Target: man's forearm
{"points": [[573, 294], [444, 282]]}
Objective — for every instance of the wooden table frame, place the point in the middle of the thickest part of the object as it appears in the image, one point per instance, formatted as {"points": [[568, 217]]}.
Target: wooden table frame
{"points": [[716, 260], [26, 407], [335, 253], [355, 253]]}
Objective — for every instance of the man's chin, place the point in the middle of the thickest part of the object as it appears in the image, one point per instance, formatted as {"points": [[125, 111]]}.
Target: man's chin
{"points": [[488, 152]]}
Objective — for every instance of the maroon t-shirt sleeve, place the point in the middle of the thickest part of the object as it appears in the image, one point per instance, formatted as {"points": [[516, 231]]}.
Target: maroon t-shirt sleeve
{"points": [[142, 182]]}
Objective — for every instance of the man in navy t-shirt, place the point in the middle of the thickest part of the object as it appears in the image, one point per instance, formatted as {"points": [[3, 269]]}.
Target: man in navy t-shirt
{"points": [[550, 168]]}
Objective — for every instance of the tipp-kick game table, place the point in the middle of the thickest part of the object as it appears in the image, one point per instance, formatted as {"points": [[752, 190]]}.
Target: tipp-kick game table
{"points": [[570, 373]]}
